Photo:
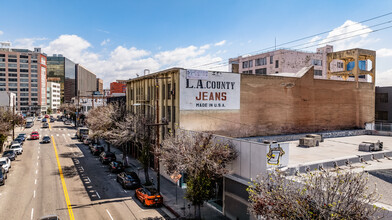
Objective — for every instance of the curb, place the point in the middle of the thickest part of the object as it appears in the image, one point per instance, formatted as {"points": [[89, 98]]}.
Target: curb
{"points": [[172, 210]]}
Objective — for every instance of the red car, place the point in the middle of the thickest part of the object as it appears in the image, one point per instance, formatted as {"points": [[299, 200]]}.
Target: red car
{"points": [[34, 135], [149, 196], [46, 116]]}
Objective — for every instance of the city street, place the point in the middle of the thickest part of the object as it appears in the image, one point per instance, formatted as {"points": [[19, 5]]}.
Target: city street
{"points": [[84, 190]]}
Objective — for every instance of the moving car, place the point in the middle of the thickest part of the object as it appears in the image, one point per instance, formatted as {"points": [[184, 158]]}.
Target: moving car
{"points": [[149, 196], [96, 149], [45, 125], [29, 125], [17, 148], [39, 118], [52, 120], [81, 131], [10, 154], [44, 120], [128, 180], [23, 136], [47, 116], [5, 162], [46, 139], [106, 157], [34, 135], [116, 166]]}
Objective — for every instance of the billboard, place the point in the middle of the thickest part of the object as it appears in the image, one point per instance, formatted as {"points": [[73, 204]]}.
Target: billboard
{"points": [[205, 90]]}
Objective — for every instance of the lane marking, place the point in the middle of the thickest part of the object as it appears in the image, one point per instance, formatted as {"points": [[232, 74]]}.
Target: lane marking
{"points": [[89, 180], [97, 194], [109, 214], [37, 163], [36, 171], [82, 168], [69, 135], [35, 181], [37, 157], [50, 127], [32, 213], [34, 194], [57, 135], [71, 215]]}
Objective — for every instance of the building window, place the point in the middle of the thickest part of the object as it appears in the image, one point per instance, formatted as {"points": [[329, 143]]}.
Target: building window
{"points": [[12, 70], [24, 85], [12, 75], [2, 79], [2, 74], [250, 63], [261, 61], [24, 94], [12, 65], [24, 89], [174, 91], [262, 71], [24, 70], [34, 75], [24, 61], [174, 114], [12, 79], [163, 91], [340, 65], [11, 56], [12, 60], [169, 113], [2, 69], [2, 60], [2, 64], [245, 64], [168, 91], [12, 84], [24, 75], [382, 115], [317, 62], [2, 55], [271, 59], [24, 80], [24, 56], [381, 97], [13, 89], [318, 72], [276, 63], [34, 85]]}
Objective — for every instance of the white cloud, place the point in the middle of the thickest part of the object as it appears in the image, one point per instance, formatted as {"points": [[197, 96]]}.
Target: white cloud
{"points": [[104, 42], [314, 39], [124, 63], [220, 43], [1, 32], [349, 35], [384, 78], [384, 52], [28, 43]]}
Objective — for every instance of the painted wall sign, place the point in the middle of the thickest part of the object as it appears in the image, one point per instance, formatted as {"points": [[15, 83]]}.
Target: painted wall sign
{"points": [[215, 91], [196, 74]]}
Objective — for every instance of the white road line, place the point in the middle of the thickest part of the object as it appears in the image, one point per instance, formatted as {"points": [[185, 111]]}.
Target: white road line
{"points": [[69, 135], [89, 179], [32, 213], [57, 135], [125, 191], [109, 214], [34, 193], [37, 157], [97, 194], [36, 171], [63, 134], [82, 168], [37, 163], [35, 182]]}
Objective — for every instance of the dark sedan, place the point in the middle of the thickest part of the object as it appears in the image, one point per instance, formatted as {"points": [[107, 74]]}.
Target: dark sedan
{"points": [[19, 140], [10, 154], [106, 157], [116, 167], [3, 176], [46, 139], [128, 180]]}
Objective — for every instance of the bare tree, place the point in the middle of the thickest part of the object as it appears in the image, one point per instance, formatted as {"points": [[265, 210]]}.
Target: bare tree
{"points": [[316, 195], [203, 157], [7, 121]]}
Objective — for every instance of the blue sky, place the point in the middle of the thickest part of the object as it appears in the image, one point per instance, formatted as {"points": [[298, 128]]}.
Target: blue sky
{"points": [[117, 39]]}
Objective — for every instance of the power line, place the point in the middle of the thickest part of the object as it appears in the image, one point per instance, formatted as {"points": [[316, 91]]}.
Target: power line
{"points": [[307, 37]]}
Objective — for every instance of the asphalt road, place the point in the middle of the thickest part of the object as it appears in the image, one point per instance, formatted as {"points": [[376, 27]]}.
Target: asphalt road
{"points": [[86, 190]]}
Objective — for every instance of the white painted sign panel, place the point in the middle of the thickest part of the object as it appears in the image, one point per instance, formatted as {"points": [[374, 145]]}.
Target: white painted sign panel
{"points": [[277, 155], [206, 90]]}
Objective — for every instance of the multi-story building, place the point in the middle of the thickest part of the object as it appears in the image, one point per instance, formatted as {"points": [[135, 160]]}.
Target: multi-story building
{"points": [[291, 61], [53, 96], [384, 104], [7, 100], [62, 70], [86, 82], [100, 85], [23, 72], [120, 86]]}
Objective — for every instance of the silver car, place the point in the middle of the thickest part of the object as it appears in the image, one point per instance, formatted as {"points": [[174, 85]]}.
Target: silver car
{"points": [[17, 148]]}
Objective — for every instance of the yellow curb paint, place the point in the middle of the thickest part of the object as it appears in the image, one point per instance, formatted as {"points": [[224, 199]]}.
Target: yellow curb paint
{"points": [[71, 216]]}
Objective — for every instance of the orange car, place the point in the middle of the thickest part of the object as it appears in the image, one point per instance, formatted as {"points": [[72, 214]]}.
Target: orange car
{"points": [[149, 196]]}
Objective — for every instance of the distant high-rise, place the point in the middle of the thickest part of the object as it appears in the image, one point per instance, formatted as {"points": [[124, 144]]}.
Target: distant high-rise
{"points": [[120, 86], [23, 72], [86, 81], [62, 70]]}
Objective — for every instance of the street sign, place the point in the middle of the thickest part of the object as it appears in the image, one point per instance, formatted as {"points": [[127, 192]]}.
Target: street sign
{"points": [[175, 177]]}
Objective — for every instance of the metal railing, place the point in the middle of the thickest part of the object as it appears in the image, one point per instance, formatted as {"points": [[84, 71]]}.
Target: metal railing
{"points": [[383, 126]]}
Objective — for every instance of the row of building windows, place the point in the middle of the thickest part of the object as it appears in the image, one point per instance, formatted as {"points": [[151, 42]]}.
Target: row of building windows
{"points": [[167, 92], [258, 62], [21, 75]]}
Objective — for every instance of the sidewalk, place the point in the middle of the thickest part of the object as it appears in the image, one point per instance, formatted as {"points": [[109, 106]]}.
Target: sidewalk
{"points": [[179, 206]]}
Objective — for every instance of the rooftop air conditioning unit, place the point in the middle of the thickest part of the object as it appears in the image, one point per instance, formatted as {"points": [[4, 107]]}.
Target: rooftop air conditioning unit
{"points": [[308, 142], [371, 146], [318, 137]]}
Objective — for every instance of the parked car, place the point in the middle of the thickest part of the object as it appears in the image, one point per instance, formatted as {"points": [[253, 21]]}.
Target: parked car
{"points": [[17, 148], [47, 116], [128, 180], [3, 176], [67, 122], [52, 120], [116, 167], [29, 125], [44, 120], [84, 137], [24, 135], [39, 118], [21, 137], [87, 141], [106, 157], [96, 149], [34, 135], [45, 125], [10, 154], [49, 217], [18, 140], [5, 162], [46, 139], [149, 196]]}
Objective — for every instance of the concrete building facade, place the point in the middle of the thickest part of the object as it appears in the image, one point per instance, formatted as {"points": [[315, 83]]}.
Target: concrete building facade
{"points": [[100, 85], [290, 61], [86, 82], [7, 100], [118, 87], [23, 72], [53, 96]]}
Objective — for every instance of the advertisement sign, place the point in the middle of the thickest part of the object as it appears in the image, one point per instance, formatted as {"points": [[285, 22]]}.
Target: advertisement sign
{"points": [[278, 155], [204, 90]]}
